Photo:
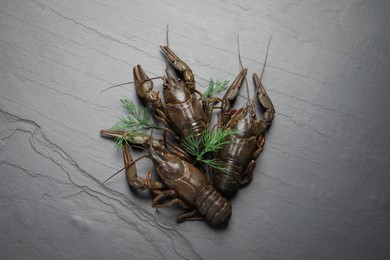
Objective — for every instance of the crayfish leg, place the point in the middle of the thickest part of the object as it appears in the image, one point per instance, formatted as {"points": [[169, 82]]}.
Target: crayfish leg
{"points": [[165, 194], [190, 216], [131, 174], [248, 174]]}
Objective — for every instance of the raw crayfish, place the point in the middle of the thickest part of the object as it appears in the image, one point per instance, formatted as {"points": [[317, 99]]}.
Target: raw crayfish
{"points": [[244, 146], [181, 180], [183, 112]]}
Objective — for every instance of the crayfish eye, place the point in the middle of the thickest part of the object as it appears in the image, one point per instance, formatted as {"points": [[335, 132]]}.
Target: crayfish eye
{"points": [[225, 106], [233, 111]]}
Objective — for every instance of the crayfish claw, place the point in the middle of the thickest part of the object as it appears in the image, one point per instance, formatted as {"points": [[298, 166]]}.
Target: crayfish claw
{"points": [[144, 87], [180, 66], [142, 83], [178, 63], [265, 101], [232, 92]]}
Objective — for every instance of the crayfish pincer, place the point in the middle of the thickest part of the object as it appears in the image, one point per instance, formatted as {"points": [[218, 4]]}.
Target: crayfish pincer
{"points": [[181, 181]]}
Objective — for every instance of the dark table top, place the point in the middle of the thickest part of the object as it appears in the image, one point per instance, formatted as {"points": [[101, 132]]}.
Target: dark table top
{"points": [[320, 188]]}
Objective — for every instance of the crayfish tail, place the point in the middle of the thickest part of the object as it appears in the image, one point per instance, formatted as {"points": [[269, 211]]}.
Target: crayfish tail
{"points": [[226, 184], [213, 206]]}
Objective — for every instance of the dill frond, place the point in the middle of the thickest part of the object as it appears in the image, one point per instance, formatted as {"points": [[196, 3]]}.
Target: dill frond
{"points": [[215, 87], [141, 113], [192, 144], [210, 141], [217, 164], [210, 89], [139, 118], [214, 140], [119, 141]]}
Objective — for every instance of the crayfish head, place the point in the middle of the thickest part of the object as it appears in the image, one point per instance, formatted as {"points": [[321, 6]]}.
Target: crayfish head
{"points": [[175, 91], [167, 165], [244, 121]]}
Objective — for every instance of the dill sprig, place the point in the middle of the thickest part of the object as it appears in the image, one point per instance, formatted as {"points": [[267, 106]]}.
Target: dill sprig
{"points": [[119, 141], [210, 141], [139, 118], [215, 87]]}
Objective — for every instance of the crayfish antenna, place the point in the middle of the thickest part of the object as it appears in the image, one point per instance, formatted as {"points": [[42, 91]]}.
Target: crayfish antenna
{"points": [[242, 67], [266, 56], [118, 85], [129, 165], [113, 175], [130, 82], [166, 57], [150, 139]]}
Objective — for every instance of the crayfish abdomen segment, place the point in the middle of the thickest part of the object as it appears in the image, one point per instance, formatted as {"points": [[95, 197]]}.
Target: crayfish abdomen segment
{"points": [[227, 183], [213, 206], [236, 155]]}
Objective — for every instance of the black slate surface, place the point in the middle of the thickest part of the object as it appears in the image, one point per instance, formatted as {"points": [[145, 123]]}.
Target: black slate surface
{"points": [[321, 186]]}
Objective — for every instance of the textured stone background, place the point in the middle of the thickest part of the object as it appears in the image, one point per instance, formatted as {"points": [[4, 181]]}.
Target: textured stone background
{"points": [[321, 186]]}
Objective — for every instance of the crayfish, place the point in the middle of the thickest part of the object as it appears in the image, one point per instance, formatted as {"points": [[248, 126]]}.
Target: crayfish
{"points": [[246, 144], [183, 112], [182, 181]]}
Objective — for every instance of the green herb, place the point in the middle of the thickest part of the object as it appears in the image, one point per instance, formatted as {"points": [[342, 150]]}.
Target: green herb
{"points": [[139, 118], [215, 87], [119, 141], [210, 141]]}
